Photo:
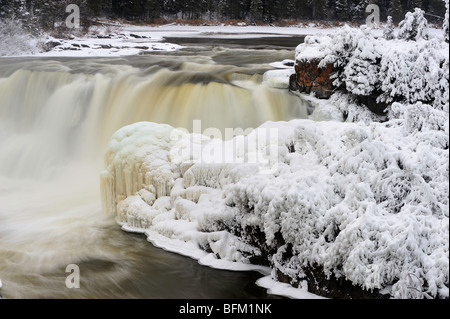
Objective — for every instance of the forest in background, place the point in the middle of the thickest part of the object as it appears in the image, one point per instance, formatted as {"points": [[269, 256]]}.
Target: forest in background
{"points": [[42, 15]]}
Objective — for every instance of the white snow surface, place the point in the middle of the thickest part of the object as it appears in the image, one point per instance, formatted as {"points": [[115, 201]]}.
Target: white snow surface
{"points": [[285, 290], [278, 79], [122, 44]]}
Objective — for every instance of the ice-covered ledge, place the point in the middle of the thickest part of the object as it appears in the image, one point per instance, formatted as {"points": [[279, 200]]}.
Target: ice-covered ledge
{"points": [[346, 202]]}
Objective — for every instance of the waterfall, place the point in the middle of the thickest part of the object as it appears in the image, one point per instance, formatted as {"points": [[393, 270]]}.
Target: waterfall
{"points": [[51, 117], [56, 119]]}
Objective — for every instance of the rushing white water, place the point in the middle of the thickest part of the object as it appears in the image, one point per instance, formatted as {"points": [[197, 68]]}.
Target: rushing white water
{"points": [[56, 118]]}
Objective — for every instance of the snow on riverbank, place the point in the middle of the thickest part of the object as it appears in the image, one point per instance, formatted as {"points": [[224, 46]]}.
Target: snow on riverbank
{"points": [[112, 40], [131, 40], [350, 198], [120, 40]]}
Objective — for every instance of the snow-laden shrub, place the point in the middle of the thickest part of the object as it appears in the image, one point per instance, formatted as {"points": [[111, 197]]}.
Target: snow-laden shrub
{"points": [[441, 101], [388, 31], [361, 72], [15, 41], [370, 206], [384, 71], [341, 47], [415, 71], [414, 26], [422, 117]]}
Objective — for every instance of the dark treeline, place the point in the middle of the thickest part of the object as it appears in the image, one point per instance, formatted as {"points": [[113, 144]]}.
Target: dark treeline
{"points": [[260, 10], [47, 12]]}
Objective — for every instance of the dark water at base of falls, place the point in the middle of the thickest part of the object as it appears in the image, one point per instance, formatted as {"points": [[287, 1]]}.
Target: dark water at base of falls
{"points": [[157, 274]]}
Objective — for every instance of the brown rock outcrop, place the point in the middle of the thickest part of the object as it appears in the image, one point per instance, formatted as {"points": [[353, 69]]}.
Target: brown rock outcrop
{"points": [[313, 79]]}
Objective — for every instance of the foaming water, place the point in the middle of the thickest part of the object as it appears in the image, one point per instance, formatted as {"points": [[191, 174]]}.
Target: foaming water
{"points": [[56, 118]]}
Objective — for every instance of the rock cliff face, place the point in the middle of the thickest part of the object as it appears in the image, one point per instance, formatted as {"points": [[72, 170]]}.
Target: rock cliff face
{"points": [[313, 79], [312, 75]]}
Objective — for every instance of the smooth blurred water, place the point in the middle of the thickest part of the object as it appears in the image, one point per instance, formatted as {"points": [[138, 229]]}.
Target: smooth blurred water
{"points": [[56, 117]]}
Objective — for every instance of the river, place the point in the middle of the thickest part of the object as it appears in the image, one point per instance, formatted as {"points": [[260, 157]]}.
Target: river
{"points": [[56, 118]]}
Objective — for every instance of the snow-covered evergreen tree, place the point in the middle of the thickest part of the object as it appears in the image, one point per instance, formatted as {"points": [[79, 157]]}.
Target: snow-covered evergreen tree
{"points": [[414, 26], [343, 45], [388, 32], [361, 73], [415, 72], [446, 22], [19, 30], [394, 76]]}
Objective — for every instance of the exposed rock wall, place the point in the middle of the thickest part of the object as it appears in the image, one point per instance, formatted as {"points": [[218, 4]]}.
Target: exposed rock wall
{"points": [[313, 79]]}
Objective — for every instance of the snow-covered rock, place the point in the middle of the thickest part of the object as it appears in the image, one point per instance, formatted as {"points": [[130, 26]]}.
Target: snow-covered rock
{"points": [[278, 79], [365, 203], [377, 71]]}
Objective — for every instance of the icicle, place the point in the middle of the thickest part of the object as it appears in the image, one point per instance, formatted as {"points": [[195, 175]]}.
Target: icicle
{"points": [[108, 193]]}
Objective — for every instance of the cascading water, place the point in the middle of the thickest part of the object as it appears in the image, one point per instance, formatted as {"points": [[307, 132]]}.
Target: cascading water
{"points": [[56, 118]]}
